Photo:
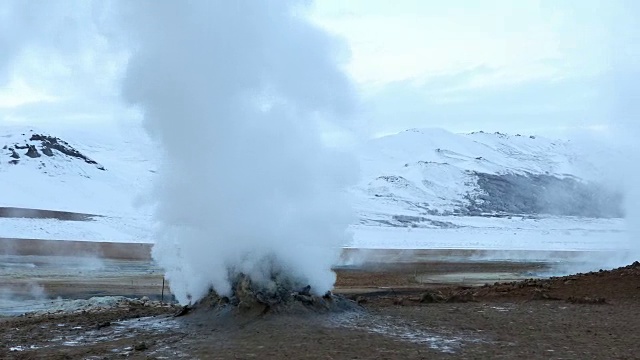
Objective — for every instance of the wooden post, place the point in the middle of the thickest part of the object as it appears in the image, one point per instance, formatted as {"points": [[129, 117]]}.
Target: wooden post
{"points": [[162, 292]]}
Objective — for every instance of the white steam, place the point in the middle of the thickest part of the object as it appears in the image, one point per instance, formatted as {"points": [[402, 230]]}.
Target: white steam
{"points": [[234, 91], [624, 38]]}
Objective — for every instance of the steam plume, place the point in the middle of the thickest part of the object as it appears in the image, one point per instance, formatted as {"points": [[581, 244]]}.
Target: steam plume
{"points": [[234, 91], [624, 46]]}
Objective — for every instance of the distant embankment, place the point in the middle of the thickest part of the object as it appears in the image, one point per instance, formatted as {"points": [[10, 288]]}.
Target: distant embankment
{"points": [[14, 212], [106, 250]]}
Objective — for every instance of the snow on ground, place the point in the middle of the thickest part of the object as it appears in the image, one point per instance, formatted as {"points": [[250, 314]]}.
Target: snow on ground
{"points": [[113, 229], [490, 238], [471, 233]]}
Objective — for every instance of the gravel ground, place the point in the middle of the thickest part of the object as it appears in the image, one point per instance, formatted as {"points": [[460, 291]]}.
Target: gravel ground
{"points": [[583, 316]]}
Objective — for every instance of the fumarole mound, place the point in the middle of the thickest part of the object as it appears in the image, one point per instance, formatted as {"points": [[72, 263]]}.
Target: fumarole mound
{"points": [[279, 296]]}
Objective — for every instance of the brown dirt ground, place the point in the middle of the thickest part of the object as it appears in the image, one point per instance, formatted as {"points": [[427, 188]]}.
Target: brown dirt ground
{"points": [[106, 250], [558, 318]]}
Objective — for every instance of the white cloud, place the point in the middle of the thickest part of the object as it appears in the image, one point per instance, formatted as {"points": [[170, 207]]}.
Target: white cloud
{"points": [[447, 55], [19, 93], [396, 41]]}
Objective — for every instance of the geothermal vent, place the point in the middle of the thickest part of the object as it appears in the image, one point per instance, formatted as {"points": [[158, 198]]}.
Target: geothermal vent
{"points": [[280, 295]]}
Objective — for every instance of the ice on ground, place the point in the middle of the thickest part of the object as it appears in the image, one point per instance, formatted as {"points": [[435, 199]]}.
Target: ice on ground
{"points": [[94, 303], [71, 306]]}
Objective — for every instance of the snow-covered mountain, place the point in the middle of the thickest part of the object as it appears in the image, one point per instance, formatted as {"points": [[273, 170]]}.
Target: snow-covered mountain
{"points": [[421, 172], [419, 188]]}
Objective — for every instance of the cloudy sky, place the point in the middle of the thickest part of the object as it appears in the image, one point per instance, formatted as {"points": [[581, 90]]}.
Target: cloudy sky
{"points": [[528, 66]]}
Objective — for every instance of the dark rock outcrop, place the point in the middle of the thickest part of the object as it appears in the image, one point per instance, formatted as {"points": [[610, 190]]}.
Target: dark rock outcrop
{"points": [[32, 152], [52, 142], [47, 151]]}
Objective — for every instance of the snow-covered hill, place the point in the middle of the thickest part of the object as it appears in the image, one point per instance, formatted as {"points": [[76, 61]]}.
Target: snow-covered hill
{"points": [[419, 189], [103, 171], [96, 172], [423, 172]]}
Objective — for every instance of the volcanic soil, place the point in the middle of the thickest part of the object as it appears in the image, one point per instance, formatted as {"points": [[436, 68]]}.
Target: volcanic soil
{"points": [[583, 316]]}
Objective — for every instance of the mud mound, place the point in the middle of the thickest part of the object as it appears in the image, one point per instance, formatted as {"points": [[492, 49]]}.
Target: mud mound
{"points": [[249, 298], [598, 287]]}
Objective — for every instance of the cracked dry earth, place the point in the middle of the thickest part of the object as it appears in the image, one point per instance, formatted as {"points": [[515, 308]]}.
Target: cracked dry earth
{"points": [[584, 316]]}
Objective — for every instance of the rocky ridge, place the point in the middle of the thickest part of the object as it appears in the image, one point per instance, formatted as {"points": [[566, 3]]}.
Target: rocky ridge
{"points": [[31, 146]]}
